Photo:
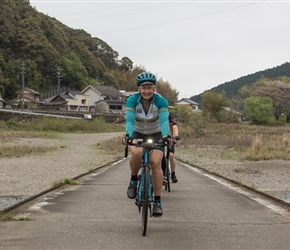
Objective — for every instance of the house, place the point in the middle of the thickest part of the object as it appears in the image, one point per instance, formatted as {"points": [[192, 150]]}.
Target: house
{"points": [[238, 115], [68, 101], [188, 103], [30, 97], [56, 102], [102, 92], [110, 106], [104, 98]]}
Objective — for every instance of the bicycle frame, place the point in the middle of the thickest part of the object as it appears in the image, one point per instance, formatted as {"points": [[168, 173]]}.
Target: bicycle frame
{"points": [[140, 193], [144, 198]]}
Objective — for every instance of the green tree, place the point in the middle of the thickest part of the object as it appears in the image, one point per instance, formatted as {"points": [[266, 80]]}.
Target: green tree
{"points": [[126, 64], [164, 88], [213, 104], [259, 110], [102, 50], [279, 92]]}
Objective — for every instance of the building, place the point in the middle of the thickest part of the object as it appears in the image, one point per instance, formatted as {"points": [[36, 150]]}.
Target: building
{"points": [[68, 101], [127, 94], [186, 102], [104, 98], [31, 98]]}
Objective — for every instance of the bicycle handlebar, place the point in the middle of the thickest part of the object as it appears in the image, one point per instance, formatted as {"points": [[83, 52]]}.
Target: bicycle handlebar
{"points": [[149, 145]]}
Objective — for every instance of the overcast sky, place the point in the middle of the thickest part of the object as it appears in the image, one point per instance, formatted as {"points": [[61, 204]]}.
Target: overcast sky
{"points": [[194, 45]]}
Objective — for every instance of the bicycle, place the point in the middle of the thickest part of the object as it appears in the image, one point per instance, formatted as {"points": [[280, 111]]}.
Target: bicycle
{"points": [[144, 198], [167, 167]]}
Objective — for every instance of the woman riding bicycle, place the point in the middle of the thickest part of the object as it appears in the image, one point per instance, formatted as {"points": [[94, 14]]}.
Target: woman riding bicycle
{"points": [[147, 117]]}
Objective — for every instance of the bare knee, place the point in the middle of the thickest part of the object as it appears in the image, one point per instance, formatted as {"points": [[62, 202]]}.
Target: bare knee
{"points": [[155, 159], [136, 158]]}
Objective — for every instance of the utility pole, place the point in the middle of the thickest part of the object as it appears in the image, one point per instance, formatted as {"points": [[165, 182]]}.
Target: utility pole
{"points": [[58, 79], [22, 85]]}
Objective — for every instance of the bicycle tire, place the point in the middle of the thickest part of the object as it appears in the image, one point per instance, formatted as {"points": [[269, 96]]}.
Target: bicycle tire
{"points": [[167, 175], [145, 203]]}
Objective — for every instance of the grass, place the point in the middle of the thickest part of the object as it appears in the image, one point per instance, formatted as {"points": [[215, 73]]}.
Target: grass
{"points": [[45, 128], [243, 141], [6, 216], [227, 140], [61, 125], [68, 181], [22, 150]]}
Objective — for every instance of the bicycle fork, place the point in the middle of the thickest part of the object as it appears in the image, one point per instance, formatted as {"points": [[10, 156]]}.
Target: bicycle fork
{"points": [[140, 199]]}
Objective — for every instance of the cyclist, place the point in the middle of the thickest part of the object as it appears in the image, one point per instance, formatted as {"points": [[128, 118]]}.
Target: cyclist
{"points": [[147, 117], [174, 135]]}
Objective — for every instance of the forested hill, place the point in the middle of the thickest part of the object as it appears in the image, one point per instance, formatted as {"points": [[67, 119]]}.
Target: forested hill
{"points": [[232, 88], [38, 45]]}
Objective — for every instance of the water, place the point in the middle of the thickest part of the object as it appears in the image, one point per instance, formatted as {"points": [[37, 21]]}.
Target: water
{"points": [[6, 202]]}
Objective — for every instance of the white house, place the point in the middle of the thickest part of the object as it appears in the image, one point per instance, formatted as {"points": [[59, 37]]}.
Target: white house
{"points": [[188, 103], [104, 99], [101, 92]]}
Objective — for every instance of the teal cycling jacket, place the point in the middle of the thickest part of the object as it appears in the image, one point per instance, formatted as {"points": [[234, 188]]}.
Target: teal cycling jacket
{"points": [[154, 121]]}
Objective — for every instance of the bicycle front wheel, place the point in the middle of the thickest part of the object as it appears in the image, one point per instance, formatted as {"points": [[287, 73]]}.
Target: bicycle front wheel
{"points": [[145, 203]]}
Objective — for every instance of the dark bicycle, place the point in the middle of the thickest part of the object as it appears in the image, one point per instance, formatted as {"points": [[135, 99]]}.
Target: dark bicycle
{"points": [[144, 198], [166, 162]]}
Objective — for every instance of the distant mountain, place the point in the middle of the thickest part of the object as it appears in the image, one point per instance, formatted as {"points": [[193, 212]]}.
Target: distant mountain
{"points": [[232, 88], [43, 54], [40, 49]]}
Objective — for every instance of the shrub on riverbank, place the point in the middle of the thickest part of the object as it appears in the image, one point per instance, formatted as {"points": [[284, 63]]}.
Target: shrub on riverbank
{"points": [[97, 125]]}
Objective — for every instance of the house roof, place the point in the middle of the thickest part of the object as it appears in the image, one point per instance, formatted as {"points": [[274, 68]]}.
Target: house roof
{"points": [[105, 90], [111, 101], [73, 92], [66, 95], [29, 90], [58, 103], [50, 99], [128, 93], [188, 101], [18, 98]]}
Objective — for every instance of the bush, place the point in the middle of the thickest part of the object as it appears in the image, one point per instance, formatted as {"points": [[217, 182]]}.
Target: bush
{"points": [[63, 125], [11, 123]]}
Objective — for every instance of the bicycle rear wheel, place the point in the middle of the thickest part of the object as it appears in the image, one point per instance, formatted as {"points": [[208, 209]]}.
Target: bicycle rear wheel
{"points": [[167, 175], [145, 203]]}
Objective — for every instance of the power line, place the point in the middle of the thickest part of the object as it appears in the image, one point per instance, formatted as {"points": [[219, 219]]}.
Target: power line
{"points": [[118, 14], [181, 20], [88, 12]]}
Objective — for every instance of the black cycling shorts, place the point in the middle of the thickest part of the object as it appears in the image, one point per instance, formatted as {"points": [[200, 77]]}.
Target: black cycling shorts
{"points": [[155, 137]]}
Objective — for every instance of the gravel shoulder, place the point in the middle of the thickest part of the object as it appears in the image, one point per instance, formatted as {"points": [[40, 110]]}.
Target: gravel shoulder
{"points": [[30, 175], [271, 177]]}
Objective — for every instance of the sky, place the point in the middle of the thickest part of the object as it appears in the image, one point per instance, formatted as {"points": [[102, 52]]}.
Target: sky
{"points": [[193, 45]]}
